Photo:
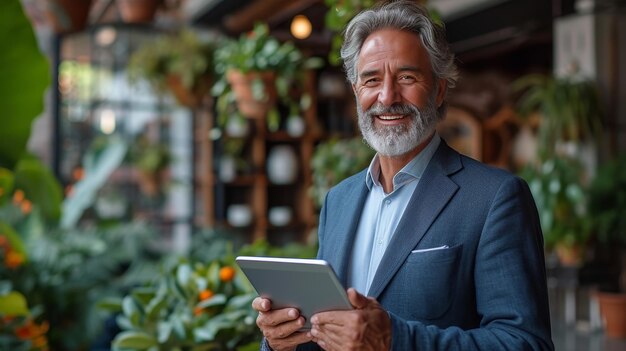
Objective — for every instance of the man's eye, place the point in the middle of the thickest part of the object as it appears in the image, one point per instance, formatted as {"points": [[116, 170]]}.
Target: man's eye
{"points": [[371, 81], [407, 78]]}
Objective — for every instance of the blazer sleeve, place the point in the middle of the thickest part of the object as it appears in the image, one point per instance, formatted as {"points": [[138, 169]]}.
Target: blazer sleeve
{"points": [[510, 283]]}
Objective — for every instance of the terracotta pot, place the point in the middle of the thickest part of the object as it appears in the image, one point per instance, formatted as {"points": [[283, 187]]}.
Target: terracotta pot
{"points": [[570, 255], [149, 183], [67, 16], [241, 84], [613, 312], [187, 97], [137, 11]]}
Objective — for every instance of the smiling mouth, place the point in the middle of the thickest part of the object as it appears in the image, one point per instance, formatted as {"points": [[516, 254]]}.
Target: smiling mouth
{"points": [[390, 117]]}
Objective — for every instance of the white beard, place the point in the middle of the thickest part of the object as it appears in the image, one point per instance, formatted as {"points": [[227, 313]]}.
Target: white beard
{"points": [[397, 140]]}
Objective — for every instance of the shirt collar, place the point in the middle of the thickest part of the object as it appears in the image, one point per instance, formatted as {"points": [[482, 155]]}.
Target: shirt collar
{"points": [[411, 171]]}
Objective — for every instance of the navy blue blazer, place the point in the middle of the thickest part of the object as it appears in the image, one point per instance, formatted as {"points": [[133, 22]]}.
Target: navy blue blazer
{"points": [[487, 291]]}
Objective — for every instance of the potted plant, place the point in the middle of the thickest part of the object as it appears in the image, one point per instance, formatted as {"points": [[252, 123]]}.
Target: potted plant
{"points": [[138, 11], [67, 16], [190, 306], [569, 110], [333, 161], [559, 192], [179, 62], [567, 134], [608, 210], [257, 72], [151, 159]]}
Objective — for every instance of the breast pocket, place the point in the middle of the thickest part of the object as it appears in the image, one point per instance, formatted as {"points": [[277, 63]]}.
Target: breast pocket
{"points": [[428, 279]]}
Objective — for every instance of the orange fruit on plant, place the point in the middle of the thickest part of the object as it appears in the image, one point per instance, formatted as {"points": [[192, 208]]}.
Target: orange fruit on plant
{"points": [[227, 273], [13, 259], [26, 207], [205, 294], [18, 196]]}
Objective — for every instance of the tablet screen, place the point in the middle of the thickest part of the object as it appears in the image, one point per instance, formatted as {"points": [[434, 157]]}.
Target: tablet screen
{"points": [[309, 285]]}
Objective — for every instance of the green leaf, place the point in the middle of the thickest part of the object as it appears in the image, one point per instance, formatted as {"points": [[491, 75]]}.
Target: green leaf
{"points": [[130, 310], [143, 295], [214, 275], [5, 287], [13, 237], [241, 301], [13, 304], [216, 300], [110, 304], [24, 76], [123, 322], [155, 306], [40, 187], [179, 327], [98, 164], [7, 180], [164, 330], [134, 340], [183, 275]]}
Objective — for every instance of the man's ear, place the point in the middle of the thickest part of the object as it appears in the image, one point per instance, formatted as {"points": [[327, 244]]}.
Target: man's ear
{"points": [[442, 87], [353, 88]]}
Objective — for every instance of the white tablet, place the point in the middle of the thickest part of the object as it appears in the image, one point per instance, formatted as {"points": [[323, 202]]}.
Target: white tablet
{"points": [[309, 285]]}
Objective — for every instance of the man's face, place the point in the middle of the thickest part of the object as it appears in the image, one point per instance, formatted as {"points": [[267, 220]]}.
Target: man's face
{"points": [[397, 95]]}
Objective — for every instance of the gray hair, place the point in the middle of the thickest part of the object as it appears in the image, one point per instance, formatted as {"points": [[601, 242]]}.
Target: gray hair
{"points": [[402, 15]]}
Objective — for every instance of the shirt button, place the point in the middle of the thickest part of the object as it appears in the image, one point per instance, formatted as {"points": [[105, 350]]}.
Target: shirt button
{"points": [[387, 202]]}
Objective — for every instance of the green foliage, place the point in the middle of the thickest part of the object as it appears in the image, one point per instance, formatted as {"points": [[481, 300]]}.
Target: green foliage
{"points": [[103, 157], [607, 205], [68, 271], [150, 156], [258, 51], [40, 186], [183, 54], [189, 306], [334, 160], [337, 18], [202, 302], [569, 107], [561, 201], [13, 304], [340, 12], [24, 76]]}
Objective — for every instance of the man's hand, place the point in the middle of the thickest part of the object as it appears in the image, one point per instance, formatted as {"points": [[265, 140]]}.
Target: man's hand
{"points": [[280, 327], [367, 327]]}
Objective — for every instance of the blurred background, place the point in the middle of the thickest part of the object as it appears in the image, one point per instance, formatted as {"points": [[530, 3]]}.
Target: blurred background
{"points": [[146, 143]]}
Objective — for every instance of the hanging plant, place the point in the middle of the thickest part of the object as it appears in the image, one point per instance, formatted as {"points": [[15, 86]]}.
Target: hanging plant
{"points": [[179, 62], [258, 73]]}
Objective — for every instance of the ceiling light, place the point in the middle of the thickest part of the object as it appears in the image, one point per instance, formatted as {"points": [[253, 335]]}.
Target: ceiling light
{"points": [[301, 27], [106, 36]]}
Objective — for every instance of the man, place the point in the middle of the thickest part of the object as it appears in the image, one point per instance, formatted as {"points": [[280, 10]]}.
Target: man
{"points": [[448, 251]]}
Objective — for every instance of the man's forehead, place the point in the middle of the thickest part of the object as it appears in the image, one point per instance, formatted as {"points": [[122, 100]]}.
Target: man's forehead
{"points": [[403, 49]]}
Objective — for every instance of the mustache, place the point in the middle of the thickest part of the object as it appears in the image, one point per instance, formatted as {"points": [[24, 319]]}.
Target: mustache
{"points": [[397, 108]]}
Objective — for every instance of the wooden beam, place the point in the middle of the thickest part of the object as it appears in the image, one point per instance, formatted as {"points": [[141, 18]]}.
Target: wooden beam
{"points": [[269, 11]]}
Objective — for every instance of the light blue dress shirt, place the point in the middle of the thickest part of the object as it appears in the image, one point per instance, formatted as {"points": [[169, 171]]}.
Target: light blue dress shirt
{"points": [[381, 214]]}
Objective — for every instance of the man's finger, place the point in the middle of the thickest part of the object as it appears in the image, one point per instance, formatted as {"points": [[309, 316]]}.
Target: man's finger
{"points": [[262, 305], [327, 336], [357, 300], [276, 317], [288, 342]]}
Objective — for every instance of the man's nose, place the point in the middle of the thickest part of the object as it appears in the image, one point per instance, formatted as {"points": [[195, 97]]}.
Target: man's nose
{"points": [[389, 92]]}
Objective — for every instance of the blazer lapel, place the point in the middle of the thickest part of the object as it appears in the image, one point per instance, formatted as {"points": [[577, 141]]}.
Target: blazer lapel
{"points": [[352, 201], [434, 191]]}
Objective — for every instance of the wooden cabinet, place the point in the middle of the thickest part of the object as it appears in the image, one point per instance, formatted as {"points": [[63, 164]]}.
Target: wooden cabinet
{"points": [[267, 197]]}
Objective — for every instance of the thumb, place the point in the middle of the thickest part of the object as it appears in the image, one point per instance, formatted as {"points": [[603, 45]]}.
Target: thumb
{"points": [[357, 300]]}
